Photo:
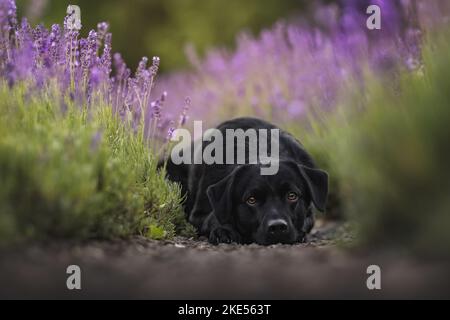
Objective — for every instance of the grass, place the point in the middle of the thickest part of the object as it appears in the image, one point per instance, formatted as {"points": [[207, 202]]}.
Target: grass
{"points": [[69, 172]]}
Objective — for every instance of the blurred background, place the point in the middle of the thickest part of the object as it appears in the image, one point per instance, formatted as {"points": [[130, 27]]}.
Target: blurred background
{"points": [[165, 28]]}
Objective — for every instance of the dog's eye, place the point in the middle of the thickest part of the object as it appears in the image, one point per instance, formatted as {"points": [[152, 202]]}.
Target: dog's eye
{"points": [[292, 196], [251, 201]]}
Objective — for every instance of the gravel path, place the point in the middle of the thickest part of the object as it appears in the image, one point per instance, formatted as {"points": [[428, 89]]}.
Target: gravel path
{"points": [[189, 269]]}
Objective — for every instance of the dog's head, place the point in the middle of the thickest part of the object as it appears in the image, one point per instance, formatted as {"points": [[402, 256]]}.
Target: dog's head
{"points": [[269, 209]]}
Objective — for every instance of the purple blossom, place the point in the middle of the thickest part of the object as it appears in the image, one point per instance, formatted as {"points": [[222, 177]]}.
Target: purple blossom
{"points": [[102, 31], [106, 56], [155, 65], [156, 109], [170, 131], [184, 116]]}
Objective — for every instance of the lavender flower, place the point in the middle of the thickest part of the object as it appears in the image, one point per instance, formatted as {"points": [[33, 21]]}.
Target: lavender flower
{"points": [[102, 31], [106, 56], [155, 65], [170, 131], [184, 116]]}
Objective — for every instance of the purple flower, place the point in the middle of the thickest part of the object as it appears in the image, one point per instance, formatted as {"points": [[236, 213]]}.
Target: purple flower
{"points": [[170, 131], [106, 56], [155, 65], [102, 31], [156, 109], [184, 116]]}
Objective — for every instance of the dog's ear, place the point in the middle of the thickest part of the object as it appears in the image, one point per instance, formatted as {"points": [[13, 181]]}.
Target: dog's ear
{"points": [[317, 181], [220, 197]]}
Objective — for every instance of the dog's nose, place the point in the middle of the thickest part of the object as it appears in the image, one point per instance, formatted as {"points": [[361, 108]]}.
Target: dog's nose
{"points": [[277, 227]]}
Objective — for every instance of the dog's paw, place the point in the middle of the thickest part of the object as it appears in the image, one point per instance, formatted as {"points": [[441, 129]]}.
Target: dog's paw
{"points": [[223, 235]]}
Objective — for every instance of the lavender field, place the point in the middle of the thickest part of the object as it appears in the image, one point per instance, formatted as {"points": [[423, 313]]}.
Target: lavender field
{"points": [[81, 133]]}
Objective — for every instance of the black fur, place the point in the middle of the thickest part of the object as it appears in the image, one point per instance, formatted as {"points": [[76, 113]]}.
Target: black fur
{"points": [[216, 194]]}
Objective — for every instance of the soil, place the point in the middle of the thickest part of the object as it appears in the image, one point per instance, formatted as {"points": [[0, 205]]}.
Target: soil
{"points": [[193, 269]]}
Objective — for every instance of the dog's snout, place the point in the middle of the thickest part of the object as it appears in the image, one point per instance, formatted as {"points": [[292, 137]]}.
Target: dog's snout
{"points": [[278, 230], [277, 226]]}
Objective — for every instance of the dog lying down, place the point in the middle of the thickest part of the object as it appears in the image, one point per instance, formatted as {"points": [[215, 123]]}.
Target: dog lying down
{"points": [[236, 203]]}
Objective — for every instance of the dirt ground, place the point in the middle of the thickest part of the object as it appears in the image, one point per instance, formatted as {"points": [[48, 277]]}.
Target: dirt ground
{"points": [[192, 269]]}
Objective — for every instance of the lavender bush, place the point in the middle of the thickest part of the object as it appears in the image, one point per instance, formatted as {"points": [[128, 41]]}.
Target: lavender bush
{"points": [[392, 160], [83, 71], [299, 69], [79, 138]]}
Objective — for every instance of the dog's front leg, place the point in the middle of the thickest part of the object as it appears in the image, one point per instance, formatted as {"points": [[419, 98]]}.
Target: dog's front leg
{"points": [[219, 233]]}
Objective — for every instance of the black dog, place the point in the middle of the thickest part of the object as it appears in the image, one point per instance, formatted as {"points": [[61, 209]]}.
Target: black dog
{"points": [[235, 203]]}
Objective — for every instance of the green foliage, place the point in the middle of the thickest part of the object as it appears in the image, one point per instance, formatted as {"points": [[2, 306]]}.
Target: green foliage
{"points": [[389, 160], [71, 173]]}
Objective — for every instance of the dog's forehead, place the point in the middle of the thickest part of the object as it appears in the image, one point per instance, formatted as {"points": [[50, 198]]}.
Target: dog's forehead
{"points": [[251, 177], [250, 174], [286, 173]]}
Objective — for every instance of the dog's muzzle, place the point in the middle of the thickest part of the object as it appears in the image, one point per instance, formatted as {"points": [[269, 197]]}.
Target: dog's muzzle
{"points": [[278, 231]]}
